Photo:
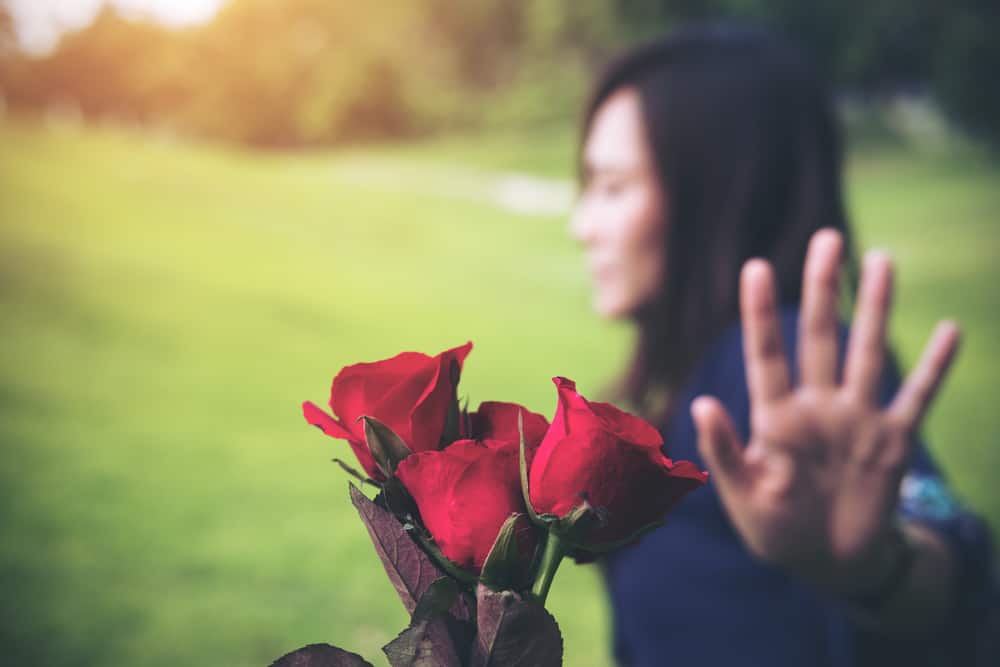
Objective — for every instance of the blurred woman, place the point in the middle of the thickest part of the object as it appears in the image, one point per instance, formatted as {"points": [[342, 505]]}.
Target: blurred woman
{"points": [[712, 217]]}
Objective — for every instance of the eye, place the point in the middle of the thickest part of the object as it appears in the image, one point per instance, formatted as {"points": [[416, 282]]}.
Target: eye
{"points": [[606, 184], [613, 186]]}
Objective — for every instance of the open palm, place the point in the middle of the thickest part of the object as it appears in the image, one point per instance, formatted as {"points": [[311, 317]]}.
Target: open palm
{"points": [[816, 487]]}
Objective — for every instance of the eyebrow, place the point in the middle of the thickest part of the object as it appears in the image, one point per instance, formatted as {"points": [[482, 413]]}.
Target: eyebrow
{"points": [[589, 168]]}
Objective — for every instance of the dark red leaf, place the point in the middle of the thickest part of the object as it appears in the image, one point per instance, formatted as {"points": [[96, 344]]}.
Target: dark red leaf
{"points": [[514, 632], [428, 641], [321, 655], [410, 570]]}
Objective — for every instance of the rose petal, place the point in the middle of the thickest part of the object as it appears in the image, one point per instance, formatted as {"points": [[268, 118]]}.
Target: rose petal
{"points": [[561, 474], [409, 393], [633, 485], [464, 493], [333, 428], [495, 420], [626, 426], [465, 450], [575, 411], [399, 403], [429, 477], [428, 418], [316, 416], [485, 494], [358, 387]]}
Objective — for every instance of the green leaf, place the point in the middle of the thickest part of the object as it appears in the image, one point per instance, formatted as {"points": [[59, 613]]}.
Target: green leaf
{"points": [[387, 448], [505, 568]]}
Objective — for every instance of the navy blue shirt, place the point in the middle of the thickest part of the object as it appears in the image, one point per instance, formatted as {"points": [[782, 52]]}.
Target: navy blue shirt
{"points": [[690, 593]]}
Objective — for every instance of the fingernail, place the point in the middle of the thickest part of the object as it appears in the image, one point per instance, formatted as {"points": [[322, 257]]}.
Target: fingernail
{"points": [[755, 268], [699, 406], [878, 255], [827, 235], [949, 326]]}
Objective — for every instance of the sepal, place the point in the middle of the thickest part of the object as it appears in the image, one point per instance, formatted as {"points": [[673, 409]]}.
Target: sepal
{"points": [[608, 547], [452, 422], [505, 567], [387, 448], [577, 524], [523, 465], [355, 473]]}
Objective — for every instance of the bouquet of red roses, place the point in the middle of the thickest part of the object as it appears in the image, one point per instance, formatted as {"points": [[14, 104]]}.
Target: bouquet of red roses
{"points": [[475, 510]]}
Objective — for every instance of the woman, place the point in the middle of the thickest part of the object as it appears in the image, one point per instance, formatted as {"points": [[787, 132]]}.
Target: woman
{"points": [[711, 214]]}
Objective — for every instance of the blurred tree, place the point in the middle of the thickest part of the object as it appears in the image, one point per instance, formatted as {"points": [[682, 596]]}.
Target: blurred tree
{"points": [[966, 66], [484, 37], [282, 72], [8, 53], [297, 72], [8, 39]]}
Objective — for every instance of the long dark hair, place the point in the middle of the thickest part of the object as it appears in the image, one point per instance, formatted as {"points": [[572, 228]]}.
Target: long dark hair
{"points": [[749, 156]]}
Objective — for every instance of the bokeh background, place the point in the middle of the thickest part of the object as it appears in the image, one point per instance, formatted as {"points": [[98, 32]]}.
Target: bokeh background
{"points": [[208, 207]]}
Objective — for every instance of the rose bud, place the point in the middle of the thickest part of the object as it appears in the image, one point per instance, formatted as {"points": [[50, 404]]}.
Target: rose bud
{"points": [[498, 421], [596, 453], [411, 393], [465, 493]]}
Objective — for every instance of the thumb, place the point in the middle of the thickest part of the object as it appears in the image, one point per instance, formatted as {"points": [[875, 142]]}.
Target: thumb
{"points": [[719, 444]]}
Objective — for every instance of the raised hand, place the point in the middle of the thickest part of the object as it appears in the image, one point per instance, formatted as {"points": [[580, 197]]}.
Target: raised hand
{"points": [[815, 489]]}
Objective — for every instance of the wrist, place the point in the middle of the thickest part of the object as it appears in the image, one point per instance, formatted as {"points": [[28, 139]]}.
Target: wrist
{"points": [[889, 569], [916, 593]]}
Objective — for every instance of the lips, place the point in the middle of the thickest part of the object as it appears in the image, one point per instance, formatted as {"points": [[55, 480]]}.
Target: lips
{"points": [[601, 273]]}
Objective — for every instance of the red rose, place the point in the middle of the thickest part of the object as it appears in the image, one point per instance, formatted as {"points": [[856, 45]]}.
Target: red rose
{"points": [[498, 421], [410, 393], [464, 493], [595, 451]]}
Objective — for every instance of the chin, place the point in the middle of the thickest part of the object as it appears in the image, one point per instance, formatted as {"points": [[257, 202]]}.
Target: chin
{"points": [[613, 309]]}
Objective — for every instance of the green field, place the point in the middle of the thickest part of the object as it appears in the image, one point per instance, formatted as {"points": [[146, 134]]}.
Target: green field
{"points": [[165, 308]]}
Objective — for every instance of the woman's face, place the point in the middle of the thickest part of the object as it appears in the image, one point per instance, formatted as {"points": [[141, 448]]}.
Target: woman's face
{"points": [[619, 217]]}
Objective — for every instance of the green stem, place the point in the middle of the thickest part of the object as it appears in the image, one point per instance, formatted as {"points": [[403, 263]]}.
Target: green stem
{"points": [[551, 557]]}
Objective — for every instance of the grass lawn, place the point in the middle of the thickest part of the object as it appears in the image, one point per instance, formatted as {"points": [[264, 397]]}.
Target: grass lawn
{"points": [[165, 308]]}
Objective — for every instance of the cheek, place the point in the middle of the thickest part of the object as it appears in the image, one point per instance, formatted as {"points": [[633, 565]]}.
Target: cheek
{"points": [[634, 243], [641, 242]]}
